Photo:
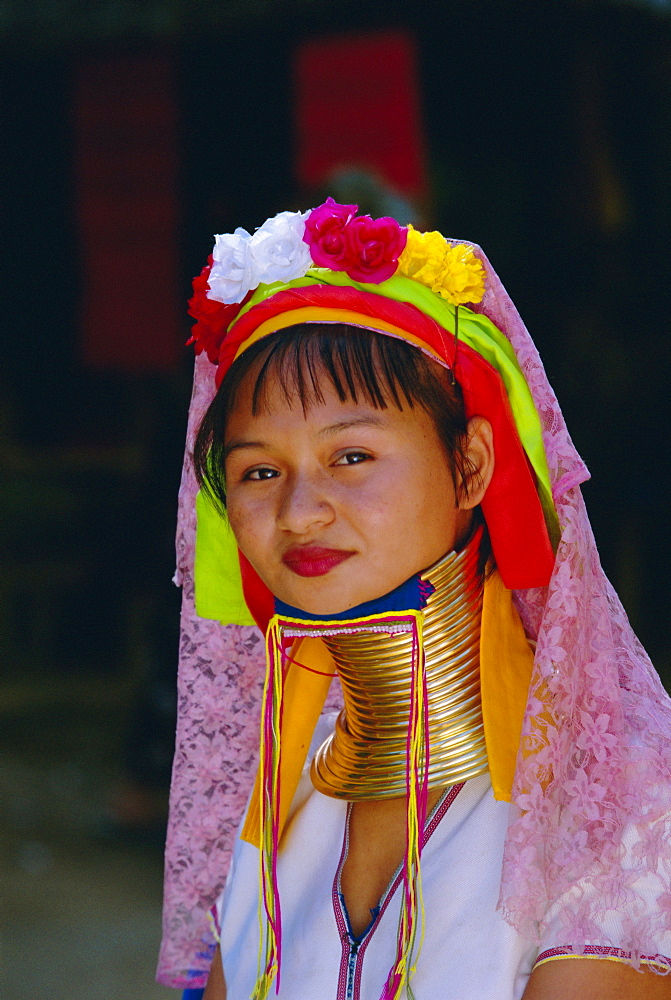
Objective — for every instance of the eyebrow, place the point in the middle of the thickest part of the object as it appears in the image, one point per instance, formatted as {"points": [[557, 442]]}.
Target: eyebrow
{"points": [[325, 432], [372, 420], [241, 445]]}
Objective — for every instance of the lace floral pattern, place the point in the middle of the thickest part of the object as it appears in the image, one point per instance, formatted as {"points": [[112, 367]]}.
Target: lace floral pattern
{"points": [[595, 752], [596, 748]]}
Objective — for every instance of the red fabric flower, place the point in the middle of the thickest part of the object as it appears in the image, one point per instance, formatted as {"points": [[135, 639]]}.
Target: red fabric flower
{"points": [[365, 249], [212, 318], [376, 245]]}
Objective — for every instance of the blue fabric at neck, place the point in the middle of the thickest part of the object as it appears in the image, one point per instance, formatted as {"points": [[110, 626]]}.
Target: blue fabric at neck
{"points": [[410, 596]]}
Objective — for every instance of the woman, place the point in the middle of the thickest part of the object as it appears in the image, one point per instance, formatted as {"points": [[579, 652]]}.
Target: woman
{"points": [[351, 464]]}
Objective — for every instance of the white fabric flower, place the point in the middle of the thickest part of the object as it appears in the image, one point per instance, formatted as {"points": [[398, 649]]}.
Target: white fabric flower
{"points": [[233, 273], [278, 249]]}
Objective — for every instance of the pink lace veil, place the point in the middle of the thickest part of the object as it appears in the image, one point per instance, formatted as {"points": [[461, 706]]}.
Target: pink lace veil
{"points": [[595, 755]]}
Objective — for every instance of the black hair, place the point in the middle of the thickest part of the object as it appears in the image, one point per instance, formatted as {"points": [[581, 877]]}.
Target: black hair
{"points": [[378, 368]]}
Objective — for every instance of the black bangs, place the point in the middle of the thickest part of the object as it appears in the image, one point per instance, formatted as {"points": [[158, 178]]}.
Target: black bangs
{"points": [[355, 364], [359, 365]]}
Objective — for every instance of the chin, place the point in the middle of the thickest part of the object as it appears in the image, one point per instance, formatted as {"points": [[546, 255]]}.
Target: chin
{"points": [[316, 600], [333, 604], [323, 607]]}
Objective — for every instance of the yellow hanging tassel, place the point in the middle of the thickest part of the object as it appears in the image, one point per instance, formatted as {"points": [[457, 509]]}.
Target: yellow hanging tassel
{"points": [[270, 918], [411, 922]]}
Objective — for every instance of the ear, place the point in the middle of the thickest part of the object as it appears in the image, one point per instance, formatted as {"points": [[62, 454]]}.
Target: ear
{"points": [[479, 462]]}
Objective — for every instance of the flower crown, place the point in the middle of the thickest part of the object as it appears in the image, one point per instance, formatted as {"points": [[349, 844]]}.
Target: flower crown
{"points": [[287, 246]]}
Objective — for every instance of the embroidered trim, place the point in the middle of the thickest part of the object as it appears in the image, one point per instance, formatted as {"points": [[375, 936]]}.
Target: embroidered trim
{"points": [[290, 633], [597, 951], [430, 828]]}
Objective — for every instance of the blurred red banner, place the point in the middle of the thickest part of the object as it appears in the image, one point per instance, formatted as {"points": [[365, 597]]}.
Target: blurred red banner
{"points": [[357, 104], [125, 126]]}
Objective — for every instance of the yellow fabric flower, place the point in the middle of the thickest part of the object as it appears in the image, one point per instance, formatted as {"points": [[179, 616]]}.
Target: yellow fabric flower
{"points": [[423, 257], [455, 273], [462, 278]]}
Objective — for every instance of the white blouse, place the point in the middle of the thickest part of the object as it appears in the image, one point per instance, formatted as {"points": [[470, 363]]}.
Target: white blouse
{"points": [[469, 951]]}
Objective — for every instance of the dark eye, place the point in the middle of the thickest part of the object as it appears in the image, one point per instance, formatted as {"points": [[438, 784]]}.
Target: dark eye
{"points": [[255, 475], [353, 458]]}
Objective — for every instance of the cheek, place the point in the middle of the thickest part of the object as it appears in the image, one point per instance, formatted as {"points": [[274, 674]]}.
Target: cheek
{"points": [[433, 501], [372, 505], [406, 498], [247, 521]]}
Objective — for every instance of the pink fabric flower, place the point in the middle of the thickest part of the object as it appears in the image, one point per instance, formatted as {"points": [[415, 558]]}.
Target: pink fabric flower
{"points": [[375, 245], [594, 735], [325, 235], [588, 794], [365, 249]]}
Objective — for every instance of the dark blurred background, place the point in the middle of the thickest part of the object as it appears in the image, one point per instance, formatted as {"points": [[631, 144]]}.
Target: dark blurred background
{"points": [[134, 130]]}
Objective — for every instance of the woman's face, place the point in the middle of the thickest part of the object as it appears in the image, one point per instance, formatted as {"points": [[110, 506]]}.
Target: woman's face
{"points": [[339, 504]]}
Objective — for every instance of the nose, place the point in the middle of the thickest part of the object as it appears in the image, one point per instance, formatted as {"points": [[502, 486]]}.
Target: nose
{"points": [[305, 504]]}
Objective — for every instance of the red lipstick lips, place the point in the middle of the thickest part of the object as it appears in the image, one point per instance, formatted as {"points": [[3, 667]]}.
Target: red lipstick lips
{"points": [[313, 560]]}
